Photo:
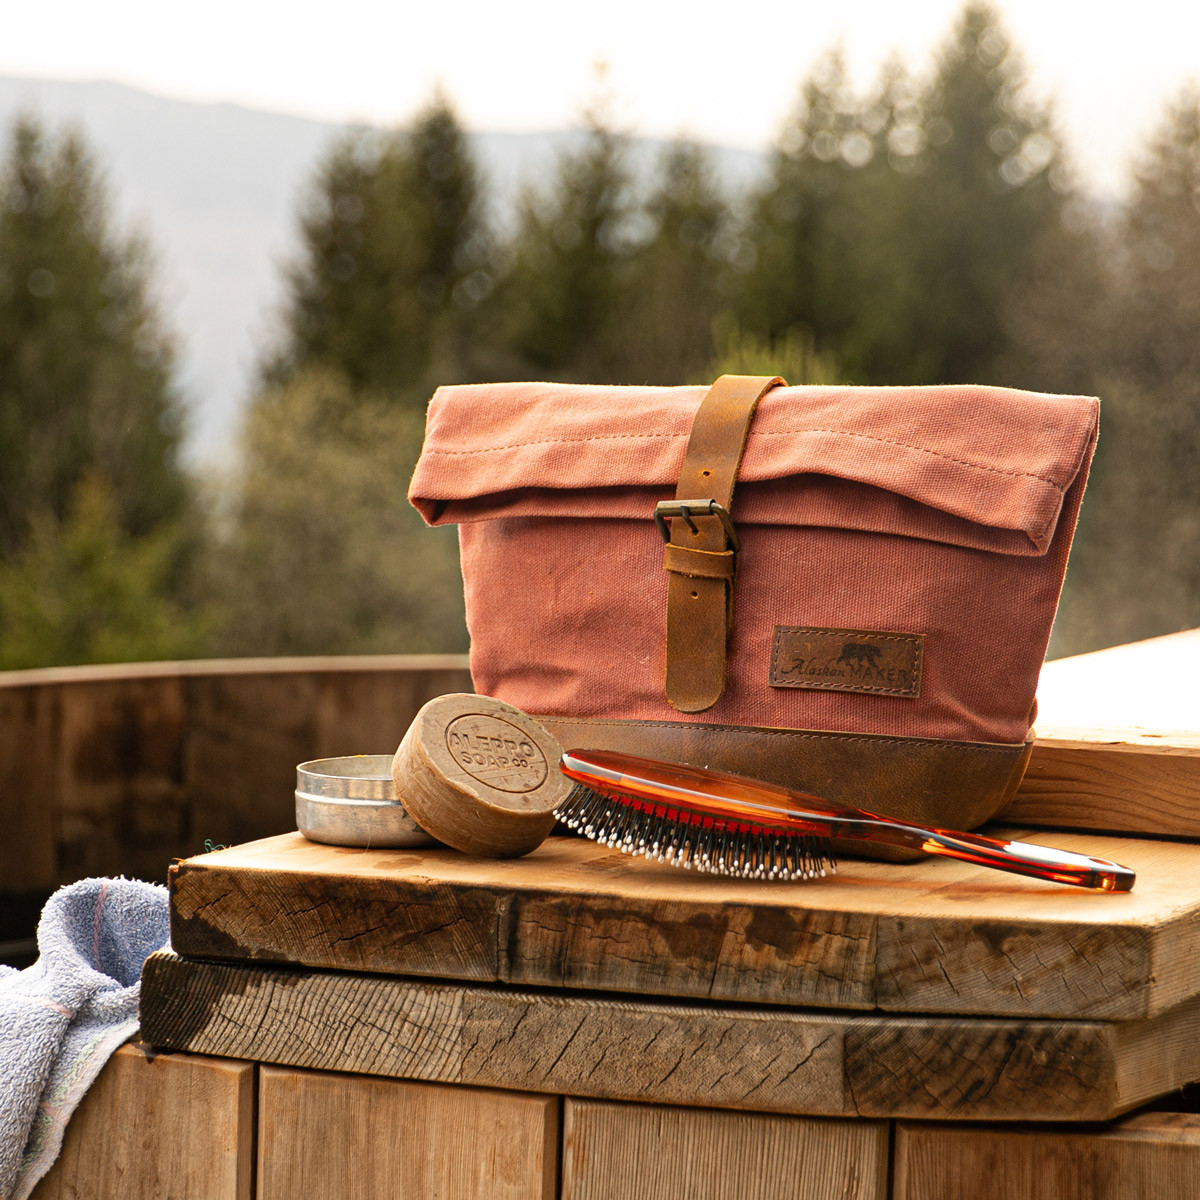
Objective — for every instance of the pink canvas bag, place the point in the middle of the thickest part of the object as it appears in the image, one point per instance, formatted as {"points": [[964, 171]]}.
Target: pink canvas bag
{"points": [[865, 620]]}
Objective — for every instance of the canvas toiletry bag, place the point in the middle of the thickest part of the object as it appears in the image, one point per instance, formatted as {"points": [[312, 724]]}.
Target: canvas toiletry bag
{"points": [[863, 616]]}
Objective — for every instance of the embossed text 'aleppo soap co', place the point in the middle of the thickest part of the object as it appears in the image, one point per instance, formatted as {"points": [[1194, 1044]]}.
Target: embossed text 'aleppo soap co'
{"points": [[480, 775], [865, 621]]}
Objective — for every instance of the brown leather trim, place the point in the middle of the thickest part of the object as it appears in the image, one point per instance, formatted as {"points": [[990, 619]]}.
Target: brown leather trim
{"points": [[957, 785], [700, 604], [700, 564]]}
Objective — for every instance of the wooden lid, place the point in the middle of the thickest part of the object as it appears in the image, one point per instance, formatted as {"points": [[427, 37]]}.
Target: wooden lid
{"points": [[480, 775]]}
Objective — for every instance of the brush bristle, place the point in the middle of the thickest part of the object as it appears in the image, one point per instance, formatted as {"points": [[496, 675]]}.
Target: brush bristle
{"points": [[664, 834]]}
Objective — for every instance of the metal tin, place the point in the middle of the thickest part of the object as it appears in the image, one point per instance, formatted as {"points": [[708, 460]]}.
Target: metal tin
{"points": [[351, 801]]}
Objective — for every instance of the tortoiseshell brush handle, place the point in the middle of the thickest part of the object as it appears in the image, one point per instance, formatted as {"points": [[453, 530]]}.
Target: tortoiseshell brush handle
{"points": [[1026, 858], [737, 806]]}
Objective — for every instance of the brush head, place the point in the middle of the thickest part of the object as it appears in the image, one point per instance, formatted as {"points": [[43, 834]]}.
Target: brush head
{"points": [[659, 815]]}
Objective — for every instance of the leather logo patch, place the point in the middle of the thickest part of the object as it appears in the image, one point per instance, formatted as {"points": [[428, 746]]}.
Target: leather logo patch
{"points": [[847, 660]]}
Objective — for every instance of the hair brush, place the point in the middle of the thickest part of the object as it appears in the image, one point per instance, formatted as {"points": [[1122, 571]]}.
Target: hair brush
{"points": [[728, 825]]}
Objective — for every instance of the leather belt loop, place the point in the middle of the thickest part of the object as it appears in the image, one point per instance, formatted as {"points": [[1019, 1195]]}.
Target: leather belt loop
{"points": [[700, 559]]}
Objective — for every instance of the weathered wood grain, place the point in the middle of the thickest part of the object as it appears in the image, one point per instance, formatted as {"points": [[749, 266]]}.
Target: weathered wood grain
{"points": [[341, 1137], [1118, 745], [639, 1152], [934, 936], [1112, 781], [111, 770], [28, 750], [121, 794], [765, 1060], [1152, 1155], [151, 1127]]}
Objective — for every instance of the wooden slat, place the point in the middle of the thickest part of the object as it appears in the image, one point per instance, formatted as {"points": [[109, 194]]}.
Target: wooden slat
{"points": [[344, 1137], [28, 760], [245, 735], [1118, 744], [117, 769], [120, 790], [639, 1152], [1142, 687], [933, 936], [765, 1060], [246, 732], [355, 664], [1153, 1155], [171, 1125]]}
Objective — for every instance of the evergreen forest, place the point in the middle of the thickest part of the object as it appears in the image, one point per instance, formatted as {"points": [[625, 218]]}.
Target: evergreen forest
{"points": [[930, 229]]}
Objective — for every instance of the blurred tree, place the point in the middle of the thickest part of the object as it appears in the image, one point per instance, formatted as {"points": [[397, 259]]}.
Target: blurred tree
{"points": [[898, 228], [82, 589], [792, 355], [806, 227], [394, 261], [679, 273], [322, 553], [565, 292], [86, 369], [990, 179], [1137, 573]]}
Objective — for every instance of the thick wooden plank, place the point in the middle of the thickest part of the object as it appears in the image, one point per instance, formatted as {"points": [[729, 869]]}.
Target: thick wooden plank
{"points": [[1118, 744], [638, 1152], [1151, 1155], [345, 1137], [168, 1125], [934, 936], [765, 1060], [1142, 687]]}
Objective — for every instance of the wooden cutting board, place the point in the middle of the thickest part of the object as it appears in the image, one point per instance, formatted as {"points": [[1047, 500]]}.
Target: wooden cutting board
{"points": [[1118, 741], [935, 936]]}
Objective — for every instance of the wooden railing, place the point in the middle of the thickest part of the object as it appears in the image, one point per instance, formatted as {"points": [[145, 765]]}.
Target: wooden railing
{"points": [[119, 769]]}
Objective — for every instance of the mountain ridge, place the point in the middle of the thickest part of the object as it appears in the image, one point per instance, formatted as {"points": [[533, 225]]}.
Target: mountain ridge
{"points": [[215, 185]]}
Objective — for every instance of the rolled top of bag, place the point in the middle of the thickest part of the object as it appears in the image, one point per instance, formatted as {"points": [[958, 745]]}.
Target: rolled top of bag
{"points": [[969, 465]]}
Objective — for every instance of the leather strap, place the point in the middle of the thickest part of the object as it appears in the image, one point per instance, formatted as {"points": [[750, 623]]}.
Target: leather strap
{"points": [[701, 564]]}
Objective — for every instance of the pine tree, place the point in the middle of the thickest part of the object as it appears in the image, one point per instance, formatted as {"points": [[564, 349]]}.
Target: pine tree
{"points": [[564, 293], [991, 174], [1137, 573], [679, 274], [322, 553], [394, 260], [83, 590], [808, 258], [86, 369]]}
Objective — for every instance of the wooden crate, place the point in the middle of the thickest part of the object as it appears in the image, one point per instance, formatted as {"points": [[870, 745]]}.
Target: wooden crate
{"points": [[153, 1126], [344, 1137], [189, 1128]]}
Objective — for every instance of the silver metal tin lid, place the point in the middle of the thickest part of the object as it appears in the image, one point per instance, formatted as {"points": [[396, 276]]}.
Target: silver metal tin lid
{"points": [[351, 801]]}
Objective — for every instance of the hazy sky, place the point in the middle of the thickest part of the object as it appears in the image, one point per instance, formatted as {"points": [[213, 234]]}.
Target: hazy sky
{"points": [[723, 73]]}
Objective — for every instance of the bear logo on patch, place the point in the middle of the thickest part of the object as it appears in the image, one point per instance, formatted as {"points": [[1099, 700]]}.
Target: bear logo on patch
{"points": [[857, 655]]}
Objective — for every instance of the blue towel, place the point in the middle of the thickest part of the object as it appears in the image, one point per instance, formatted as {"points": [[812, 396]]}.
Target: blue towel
{"points": [[62, 1018]]}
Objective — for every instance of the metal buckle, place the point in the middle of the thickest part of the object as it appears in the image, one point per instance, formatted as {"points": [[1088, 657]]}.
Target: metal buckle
{"points": [[664, 510]]}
